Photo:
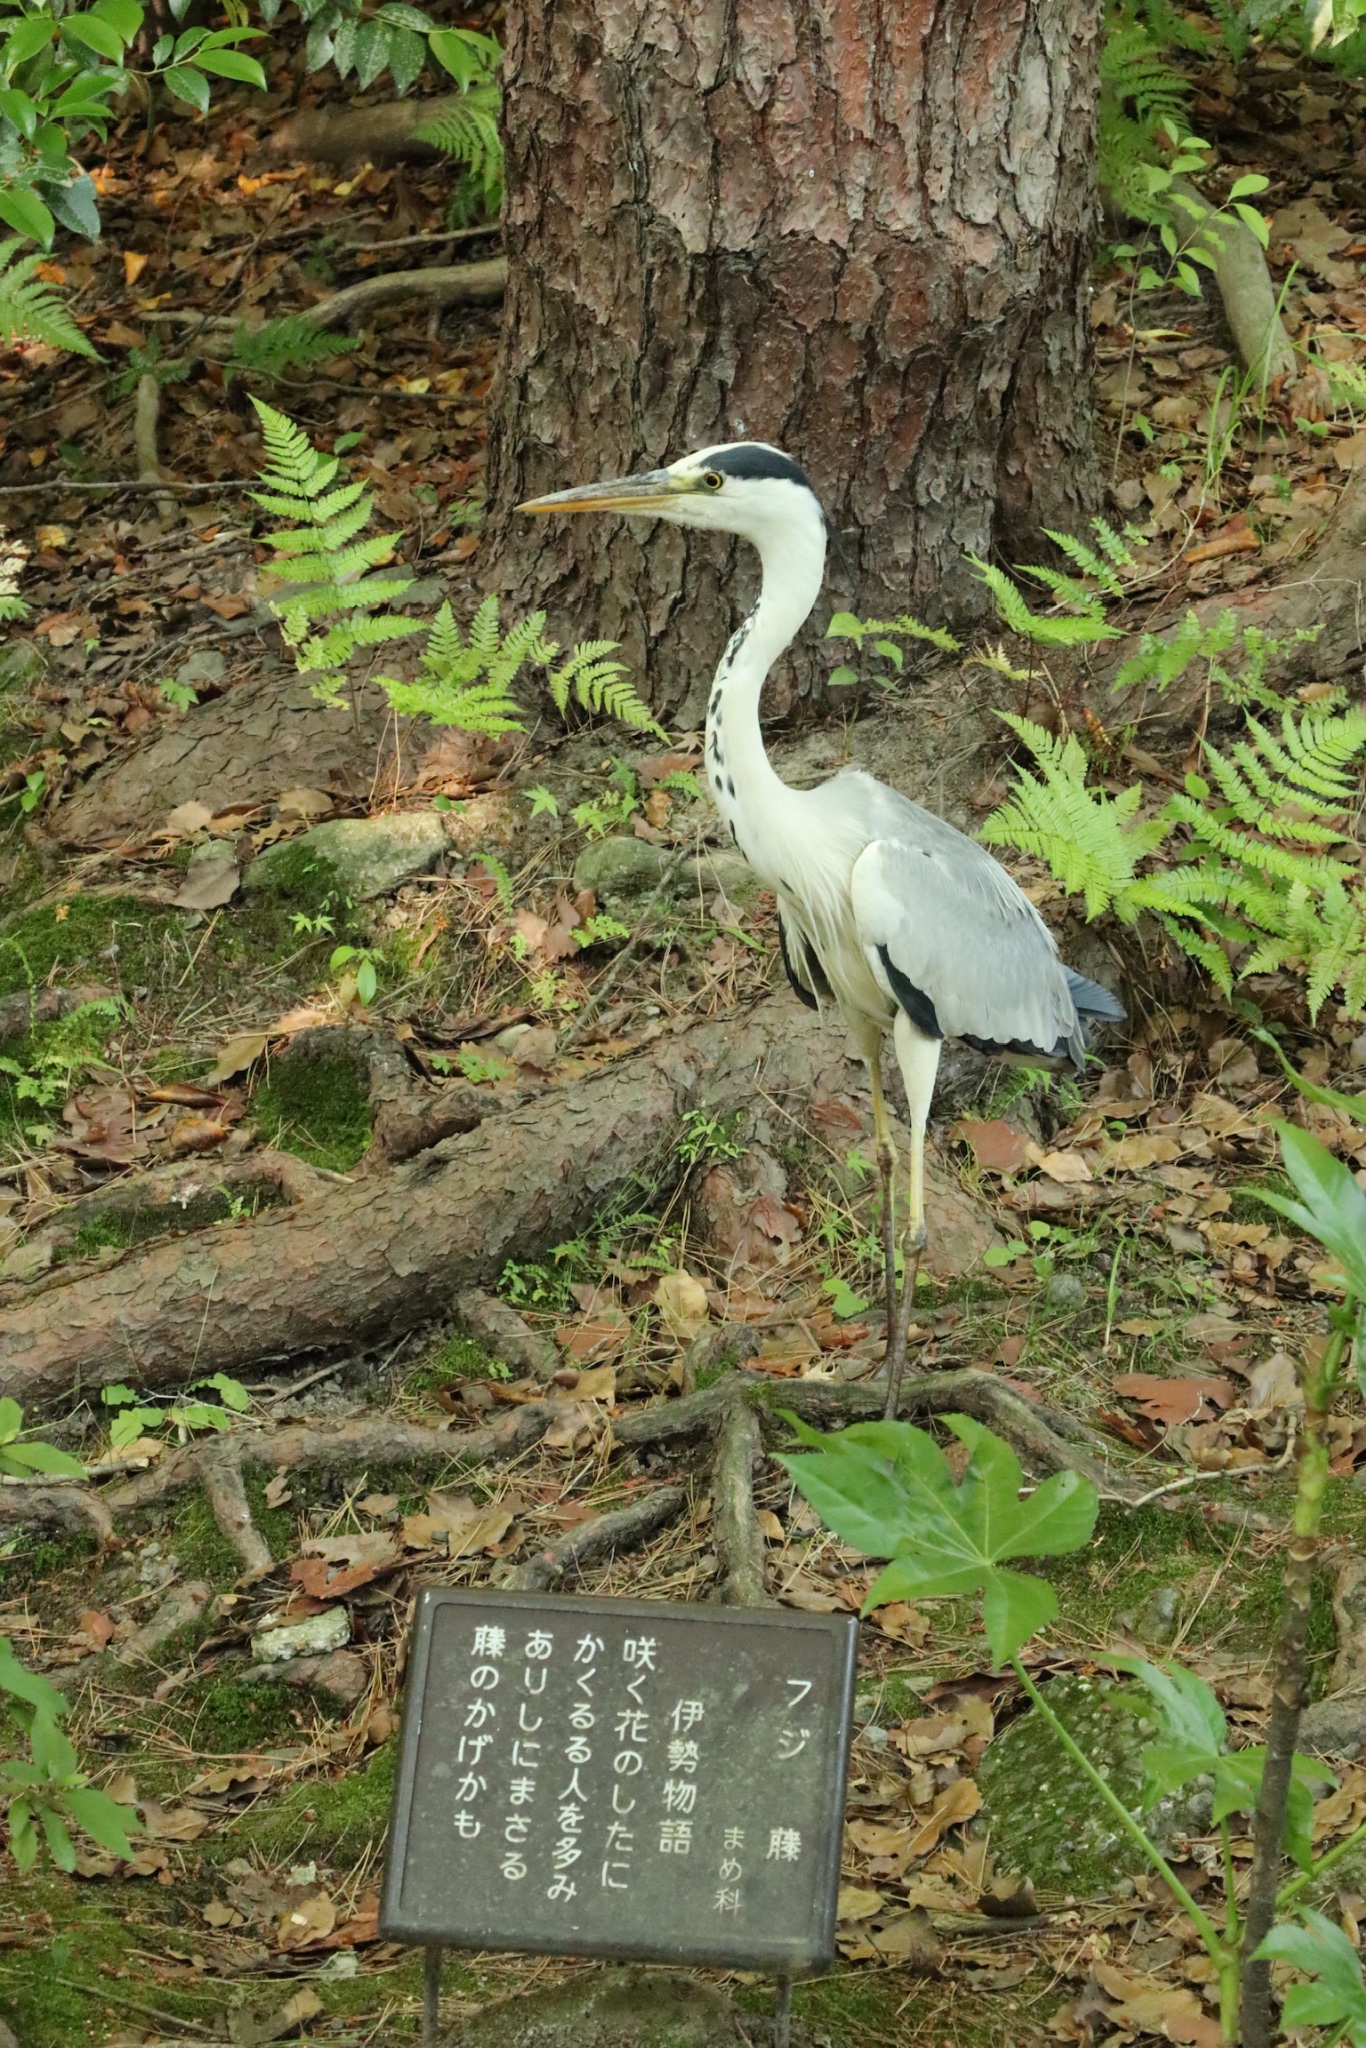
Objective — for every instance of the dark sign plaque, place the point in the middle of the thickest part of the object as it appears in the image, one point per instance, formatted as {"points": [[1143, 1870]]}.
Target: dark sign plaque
{"points": [[622, 1778]]}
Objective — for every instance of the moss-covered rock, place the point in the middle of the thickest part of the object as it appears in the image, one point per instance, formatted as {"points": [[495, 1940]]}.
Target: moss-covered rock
{"points": [[367, 856], [618, 2009], [619, 868], [1046, 1821]]}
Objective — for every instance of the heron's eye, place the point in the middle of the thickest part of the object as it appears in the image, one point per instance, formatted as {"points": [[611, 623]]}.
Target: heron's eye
{"points": [[713, 479]]}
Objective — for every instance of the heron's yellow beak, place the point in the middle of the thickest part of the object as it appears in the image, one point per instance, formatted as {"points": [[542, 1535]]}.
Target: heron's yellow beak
{"points": [[651, 492]]}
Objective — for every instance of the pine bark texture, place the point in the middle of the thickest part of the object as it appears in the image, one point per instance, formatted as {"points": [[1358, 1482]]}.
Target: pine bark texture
{"points": [[859, 229]]}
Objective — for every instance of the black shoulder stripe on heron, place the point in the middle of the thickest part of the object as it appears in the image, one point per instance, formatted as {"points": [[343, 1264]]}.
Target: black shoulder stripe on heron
{"points": [[799, 987], [913, 1000]]}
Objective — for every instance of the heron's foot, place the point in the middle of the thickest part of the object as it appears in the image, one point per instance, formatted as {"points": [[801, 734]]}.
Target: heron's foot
{"points": [[915, 1240], [899, 1331]]}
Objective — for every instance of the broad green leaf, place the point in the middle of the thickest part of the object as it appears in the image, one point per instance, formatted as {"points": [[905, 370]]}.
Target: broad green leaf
{"points": [[1322, 1951], [887, 1489], [123, 15], [23, 1836], [22, 210], [53, 1753], [46, 1458], [27, 38], [1191, 1716], [1316, 1091], [232, 64], [1332, 1207], [76, 206], [230, 1392], [35, 1691], [1245, 187], [1255, 223], [103, 1819], [188, 85], [17, 107], [60, 1846], [88, 32], [11, 1419]]}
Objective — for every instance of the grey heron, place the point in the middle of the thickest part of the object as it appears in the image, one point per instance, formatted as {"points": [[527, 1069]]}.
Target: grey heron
{"points": [[908, 925]]}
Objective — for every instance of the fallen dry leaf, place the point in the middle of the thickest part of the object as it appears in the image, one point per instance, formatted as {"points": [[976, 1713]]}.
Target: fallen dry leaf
{"points": [[1173, 1401], [1275, 1383], [997, 1146], [902, 1622], [236, 1056], [466, 1527], [957, 1802], [1069, 1169], [336, 1565], [187, 819], [305, 803], [597, 1383], [856, 1903], [910, 1939], [172, 1824], [96, 1627], [310, 1921]]}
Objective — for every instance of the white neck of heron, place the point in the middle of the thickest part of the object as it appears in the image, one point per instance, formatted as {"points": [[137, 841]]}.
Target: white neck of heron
{"points": [[739, 774]]}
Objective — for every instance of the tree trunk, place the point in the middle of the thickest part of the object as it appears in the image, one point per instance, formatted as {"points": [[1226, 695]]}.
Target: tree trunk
{"points": [[856, 229]]}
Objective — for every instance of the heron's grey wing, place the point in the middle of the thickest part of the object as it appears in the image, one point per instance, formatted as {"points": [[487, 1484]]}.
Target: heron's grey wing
{"points": [[954, 941]]}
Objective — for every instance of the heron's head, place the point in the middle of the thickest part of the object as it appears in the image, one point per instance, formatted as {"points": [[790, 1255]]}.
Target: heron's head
{"points": [[742, 487]]}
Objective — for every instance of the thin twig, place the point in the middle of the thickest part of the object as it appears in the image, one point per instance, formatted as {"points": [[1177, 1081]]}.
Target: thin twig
{"points": [[593, 1541]]}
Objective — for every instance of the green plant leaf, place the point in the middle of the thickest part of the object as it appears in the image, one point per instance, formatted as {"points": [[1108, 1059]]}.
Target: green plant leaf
{"points": [[46, 1458], [102, 1818], [189, 85], [887, 1489], [89, 32], [232, 64], [23, 1684], [1332, 1206], [1191, 1715], [22, 210], [1338, 1997]]}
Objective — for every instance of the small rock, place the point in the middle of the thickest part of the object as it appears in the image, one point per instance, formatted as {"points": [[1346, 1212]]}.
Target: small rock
{"points": [[339, 1678], [371, 856], [1064, 1290], [618, 868], [205, 665], [1334, 1727], [720, 870], [1155, 1621], [320, 1633], [27, 1261], [7, 2039], [492, 1323]]}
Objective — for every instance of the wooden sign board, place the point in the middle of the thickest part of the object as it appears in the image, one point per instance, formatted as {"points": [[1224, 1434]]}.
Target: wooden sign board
{"points": [[622, 1778]]}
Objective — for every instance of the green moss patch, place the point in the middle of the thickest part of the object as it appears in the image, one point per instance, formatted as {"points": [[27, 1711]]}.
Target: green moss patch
{"points": [[316, 1104], [335, 1823]]}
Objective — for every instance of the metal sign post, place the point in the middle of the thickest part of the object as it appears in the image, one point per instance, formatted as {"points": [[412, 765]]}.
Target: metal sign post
{"points": [[621, 1778]]}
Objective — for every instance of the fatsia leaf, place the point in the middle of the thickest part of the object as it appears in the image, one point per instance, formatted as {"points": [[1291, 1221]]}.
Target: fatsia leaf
{"points": [[1191, 1715], [887, 1489], [1332, 1207], [1322, 1951], [28, 1686]]}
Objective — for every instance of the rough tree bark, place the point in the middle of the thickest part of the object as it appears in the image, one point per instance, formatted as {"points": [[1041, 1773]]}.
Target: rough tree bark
{"points": [[855, 228]]}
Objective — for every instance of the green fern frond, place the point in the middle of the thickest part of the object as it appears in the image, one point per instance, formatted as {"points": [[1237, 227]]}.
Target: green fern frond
{"points": [[1092, 842], [291, 343], [1086, 629], [30, 309], [13, 556], [467, 129]]}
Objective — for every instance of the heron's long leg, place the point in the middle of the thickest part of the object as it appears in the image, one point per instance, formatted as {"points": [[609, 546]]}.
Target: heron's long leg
{"points": [[918, 1058], [886, 1166]]}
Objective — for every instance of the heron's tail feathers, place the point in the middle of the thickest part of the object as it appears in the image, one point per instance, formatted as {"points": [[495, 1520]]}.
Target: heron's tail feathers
{"points": [[1093, 1001]]}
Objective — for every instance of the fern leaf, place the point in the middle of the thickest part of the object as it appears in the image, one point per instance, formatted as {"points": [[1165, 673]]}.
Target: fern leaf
{"points": [[32, 310]]}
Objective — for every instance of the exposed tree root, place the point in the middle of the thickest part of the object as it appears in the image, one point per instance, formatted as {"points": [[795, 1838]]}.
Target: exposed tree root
{"points": [[220, 1475], [371, 1259], [455, 284], [593, 1542], [377, 135], [739, 1544]]}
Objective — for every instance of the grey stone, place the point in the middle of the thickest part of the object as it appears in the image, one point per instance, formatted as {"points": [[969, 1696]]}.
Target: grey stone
{"points": [[1335, 1726], [1047, 1822], [7, 2039], [338, 1679], [371, 856], [21, 664], [619, 868], [617, 2009], [205, 665], [503, 1332], [1065, 1290], [718, 871], [314, 1637], [1156, 1619]]}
